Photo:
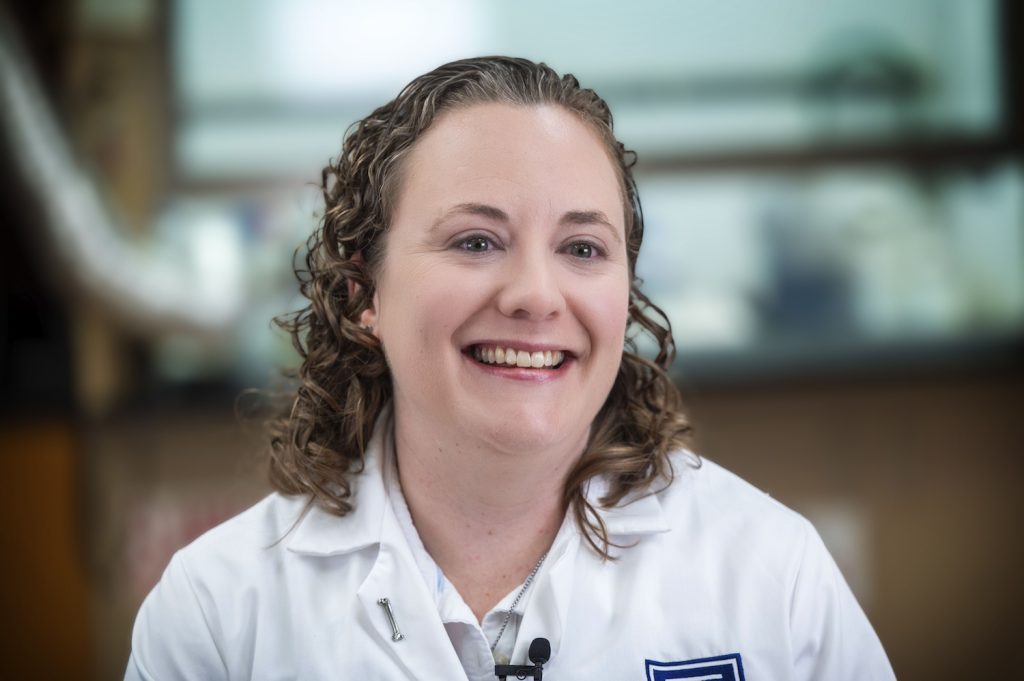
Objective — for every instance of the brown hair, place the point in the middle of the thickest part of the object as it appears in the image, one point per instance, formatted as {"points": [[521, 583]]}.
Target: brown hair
{"points": [[344, 381]]}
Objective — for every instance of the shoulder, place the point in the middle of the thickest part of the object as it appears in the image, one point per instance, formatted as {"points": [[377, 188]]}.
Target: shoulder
{"points": [[708, 518], [745, 542], [706, 498], [736, 536], [209, 594], [261, 588], [225, 569], [699, 475], [258, 531]]}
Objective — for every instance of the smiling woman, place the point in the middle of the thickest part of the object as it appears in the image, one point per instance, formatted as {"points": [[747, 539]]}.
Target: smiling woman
{"points": [[477, 469]]}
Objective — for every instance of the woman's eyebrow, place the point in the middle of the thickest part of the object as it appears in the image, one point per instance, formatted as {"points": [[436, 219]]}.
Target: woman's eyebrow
{"points": [[572, 217], [480, 209], [590, 217]]}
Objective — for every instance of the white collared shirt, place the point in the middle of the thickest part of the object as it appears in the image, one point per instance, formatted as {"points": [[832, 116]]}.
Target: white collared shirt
{"points": [[719, 581]]}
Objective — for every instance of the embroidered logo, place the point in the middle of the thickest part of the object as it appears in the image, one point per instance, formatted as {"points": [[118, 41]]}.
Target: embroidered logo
{"points": [[721, 668]]}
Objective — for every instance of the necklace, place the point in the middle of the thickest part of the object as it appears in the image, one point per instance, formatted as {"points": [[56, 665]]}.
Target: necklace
{"points": [[515, 601]]}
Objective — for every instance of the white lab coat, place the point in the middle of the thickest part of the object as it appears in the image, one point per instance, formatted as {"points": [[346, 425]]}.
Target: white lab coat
{"points": [[720, 582]]}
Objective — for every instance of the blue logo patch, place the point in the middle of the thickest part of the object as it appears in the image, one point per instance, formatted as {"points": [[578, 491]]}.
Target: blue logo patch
{"points": [[721, 668]]}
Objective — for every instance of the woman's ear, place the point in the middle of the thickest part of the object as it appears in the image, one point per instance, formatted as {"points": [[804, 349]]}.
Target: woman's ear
{"points": [[368, 317]]}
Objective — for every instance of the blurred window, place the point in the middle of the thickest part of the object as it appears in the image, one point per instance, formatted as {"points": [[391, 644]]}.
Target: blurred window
{"points": [[767, 244]]}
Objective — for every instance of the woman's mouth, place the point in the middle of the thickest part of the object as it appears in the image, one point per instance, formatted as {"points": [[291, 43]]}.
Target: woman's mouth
{"points": [[499, 355]]}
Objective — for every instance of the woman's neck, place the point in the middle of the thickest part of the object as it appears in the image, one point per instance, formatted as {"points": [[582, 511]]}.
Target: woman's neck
{"points": [[485, 516]]}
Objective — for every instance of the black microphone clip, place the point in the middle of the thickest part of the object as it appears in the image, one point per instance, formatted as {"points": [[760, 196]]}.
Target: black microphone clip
{"points": [[540, 652]]}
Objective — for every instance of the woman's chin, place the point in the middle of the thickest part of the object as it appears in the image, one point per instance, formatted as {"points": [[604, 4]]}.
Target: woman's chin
{"points": [[523, 431]]}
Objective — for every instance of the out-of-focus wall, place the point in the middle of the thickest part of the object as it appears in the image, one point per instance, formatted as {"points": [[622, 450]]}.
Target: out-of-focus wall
{"points": [[835, 209], [917, 483], [46, 592]]}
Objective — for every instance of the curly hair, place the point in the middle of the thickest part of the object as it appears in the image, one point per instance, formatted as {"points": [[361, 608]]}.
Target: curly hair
{"points": [[344, 381]]}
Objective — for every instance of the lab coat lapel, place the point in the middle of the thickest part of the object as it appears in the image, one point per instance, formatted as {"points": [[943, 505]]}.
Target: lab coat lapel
{"points": [[425, 650]]}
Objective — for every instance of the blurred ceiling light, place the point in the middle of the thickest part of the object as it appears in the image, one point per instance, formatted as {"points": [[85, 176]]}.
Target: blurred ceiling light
{"points": [[327, 47], [263, 52]]}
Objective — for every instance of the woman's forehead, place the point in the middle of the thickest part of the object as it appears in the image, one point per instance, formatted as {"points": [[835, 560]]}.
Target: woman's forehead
{"points": [[524, 156]]}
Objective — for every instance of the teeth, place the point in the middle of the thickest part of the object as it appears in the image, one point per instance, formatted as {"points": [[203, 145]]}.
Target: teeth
{"points": [[518, 358]]}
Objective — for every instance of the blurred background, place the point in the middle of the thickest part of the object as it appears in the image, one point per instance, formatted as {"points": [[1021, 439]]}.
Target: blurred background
{"points": [[834, 197]]}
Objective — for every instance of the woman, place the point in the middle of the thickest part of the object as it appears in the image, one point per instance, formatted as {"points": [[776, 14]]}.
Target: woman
{"points": [[475, 460]]}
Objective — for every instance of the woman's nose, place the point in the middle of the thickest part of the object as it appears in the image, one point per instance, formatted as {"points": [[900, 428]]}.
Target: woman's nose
{"points": [[531, 288]]}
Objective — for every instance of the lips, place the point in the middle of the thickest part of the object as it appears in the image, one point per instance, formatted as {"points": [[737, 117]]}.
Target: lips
{"points": [[504, 355]]}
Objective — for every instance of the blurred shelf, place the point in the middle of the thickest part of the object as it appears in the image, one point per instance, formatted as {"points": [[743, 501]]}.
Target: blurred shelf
{"points": [[918, 155], [782, 361]]}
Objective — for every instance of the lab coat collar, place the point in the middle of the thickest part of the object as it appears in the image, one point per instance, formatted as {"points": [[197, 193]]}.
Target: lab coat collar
{"points": [[426, 651], [639, 513], [321, 533]]}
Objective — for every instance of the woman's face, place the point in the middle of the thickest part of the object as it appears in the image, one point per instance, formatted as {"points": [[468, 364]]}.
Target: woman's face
{"points": [[507, 234]]}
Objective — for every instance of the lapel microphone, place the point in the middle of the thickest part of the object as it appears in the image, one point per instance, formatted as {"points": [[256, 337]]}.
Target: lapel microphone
{"points": [[540, 652]]}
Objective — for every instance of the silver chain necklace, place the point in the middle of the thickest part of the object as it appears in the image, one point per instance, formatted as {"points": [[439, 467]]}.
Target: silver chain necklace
{"points": [[515, 601]]}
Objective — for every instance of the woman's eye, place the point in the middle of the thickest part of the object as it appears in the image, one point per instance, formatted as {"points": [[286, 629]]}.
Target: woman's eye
{"points": [[476, 244], [583, 250]]}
